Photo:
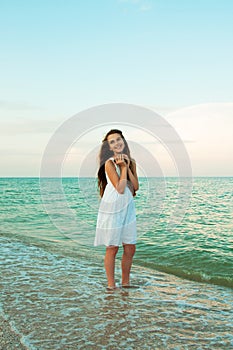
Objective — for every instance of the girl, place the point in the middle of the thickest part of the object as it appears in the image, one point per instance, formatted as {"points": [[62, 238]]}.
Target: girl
{"points": [[116, 222]]}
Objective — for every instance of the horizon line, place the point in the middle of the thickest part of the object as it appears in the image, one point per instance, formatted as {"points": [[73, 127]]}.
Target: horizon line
{"points": [[94, 177]]}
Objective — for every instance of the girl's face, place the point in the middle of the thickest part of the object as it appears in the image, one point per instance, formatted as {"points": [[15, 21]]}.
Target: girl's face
{"points": [[116, 143]]}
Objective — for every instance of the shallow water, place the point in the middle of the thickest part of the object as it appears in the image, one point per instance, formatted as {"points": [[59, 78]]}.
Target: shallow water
{"points": [[56, 301]]}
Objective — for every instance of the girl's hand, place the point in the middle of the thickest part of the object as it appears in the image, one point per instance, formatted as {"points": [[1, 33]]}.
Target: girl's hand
{"points": [[126, 159], [119, 160]]}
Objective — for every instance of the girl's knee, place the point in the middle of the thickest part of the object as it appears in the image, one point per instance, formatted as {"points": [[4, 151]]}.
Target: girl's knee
{"points": [[112, 250], [129, 249]]}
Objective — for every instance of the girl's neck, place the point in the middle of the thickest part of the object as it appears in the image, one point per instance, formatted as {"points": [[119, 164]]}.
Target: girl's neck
{"points": [[117, 154]]}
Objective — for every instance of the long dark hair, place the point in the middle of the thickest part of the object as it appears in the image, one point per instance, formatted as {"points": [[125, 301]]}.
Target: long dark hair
{"points": [[105, 154]]}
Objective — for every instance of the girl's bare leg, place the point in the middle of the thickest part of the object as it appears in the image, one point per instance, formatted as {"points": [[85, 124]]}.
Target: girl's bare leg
{"points": [[126, 262], [109, 263]]}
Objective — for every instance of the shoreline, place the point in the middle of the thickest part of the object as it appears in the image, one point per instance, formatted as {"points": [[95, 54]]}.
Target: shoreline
{"points": [[69, 251]]}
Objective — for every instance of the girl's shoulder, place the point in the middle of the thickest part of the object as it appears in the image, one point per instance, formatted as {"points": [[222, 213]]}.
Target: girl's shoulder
{"points": [[110, 161]]}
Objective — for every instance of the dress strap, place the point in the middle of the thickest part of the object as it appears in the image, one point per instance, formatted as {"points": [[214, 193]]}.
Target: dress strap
{"points": [[116, 166]]}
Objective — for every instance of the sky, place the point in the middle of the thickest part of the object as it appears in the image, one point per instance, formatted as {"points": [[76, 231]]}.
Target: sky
{"points": [[59, 58]]}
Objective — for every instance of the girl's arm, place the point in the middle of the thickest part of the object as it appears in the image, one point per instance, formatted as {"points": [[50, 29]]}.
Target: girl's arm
{"points": [[133, 175], [118, 182]]}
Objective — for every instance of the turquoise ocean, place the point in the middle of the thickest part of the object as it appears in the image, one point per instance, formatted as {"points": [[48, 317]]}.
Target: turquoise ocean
{"points": [[53, 281]]}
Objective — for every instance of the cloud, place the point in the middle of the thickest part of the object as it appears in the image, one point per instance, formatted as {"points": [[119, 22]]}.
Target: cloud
{"points": [[145, 7], [26, 126], [210, 127], [206, 131], [19, 106], [164, 110], [130, 1], [140, 5], [16, 152]]}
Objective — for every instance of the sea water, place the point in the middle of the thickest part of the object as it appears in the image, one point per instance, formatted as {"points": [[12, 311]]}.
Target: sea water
{"points": [[53, 280]]}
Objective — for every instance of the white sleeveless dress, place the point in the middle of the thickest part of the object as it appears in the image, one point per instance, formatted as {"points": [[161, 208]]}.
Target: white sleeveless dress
{"points": [[116, 221]]}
